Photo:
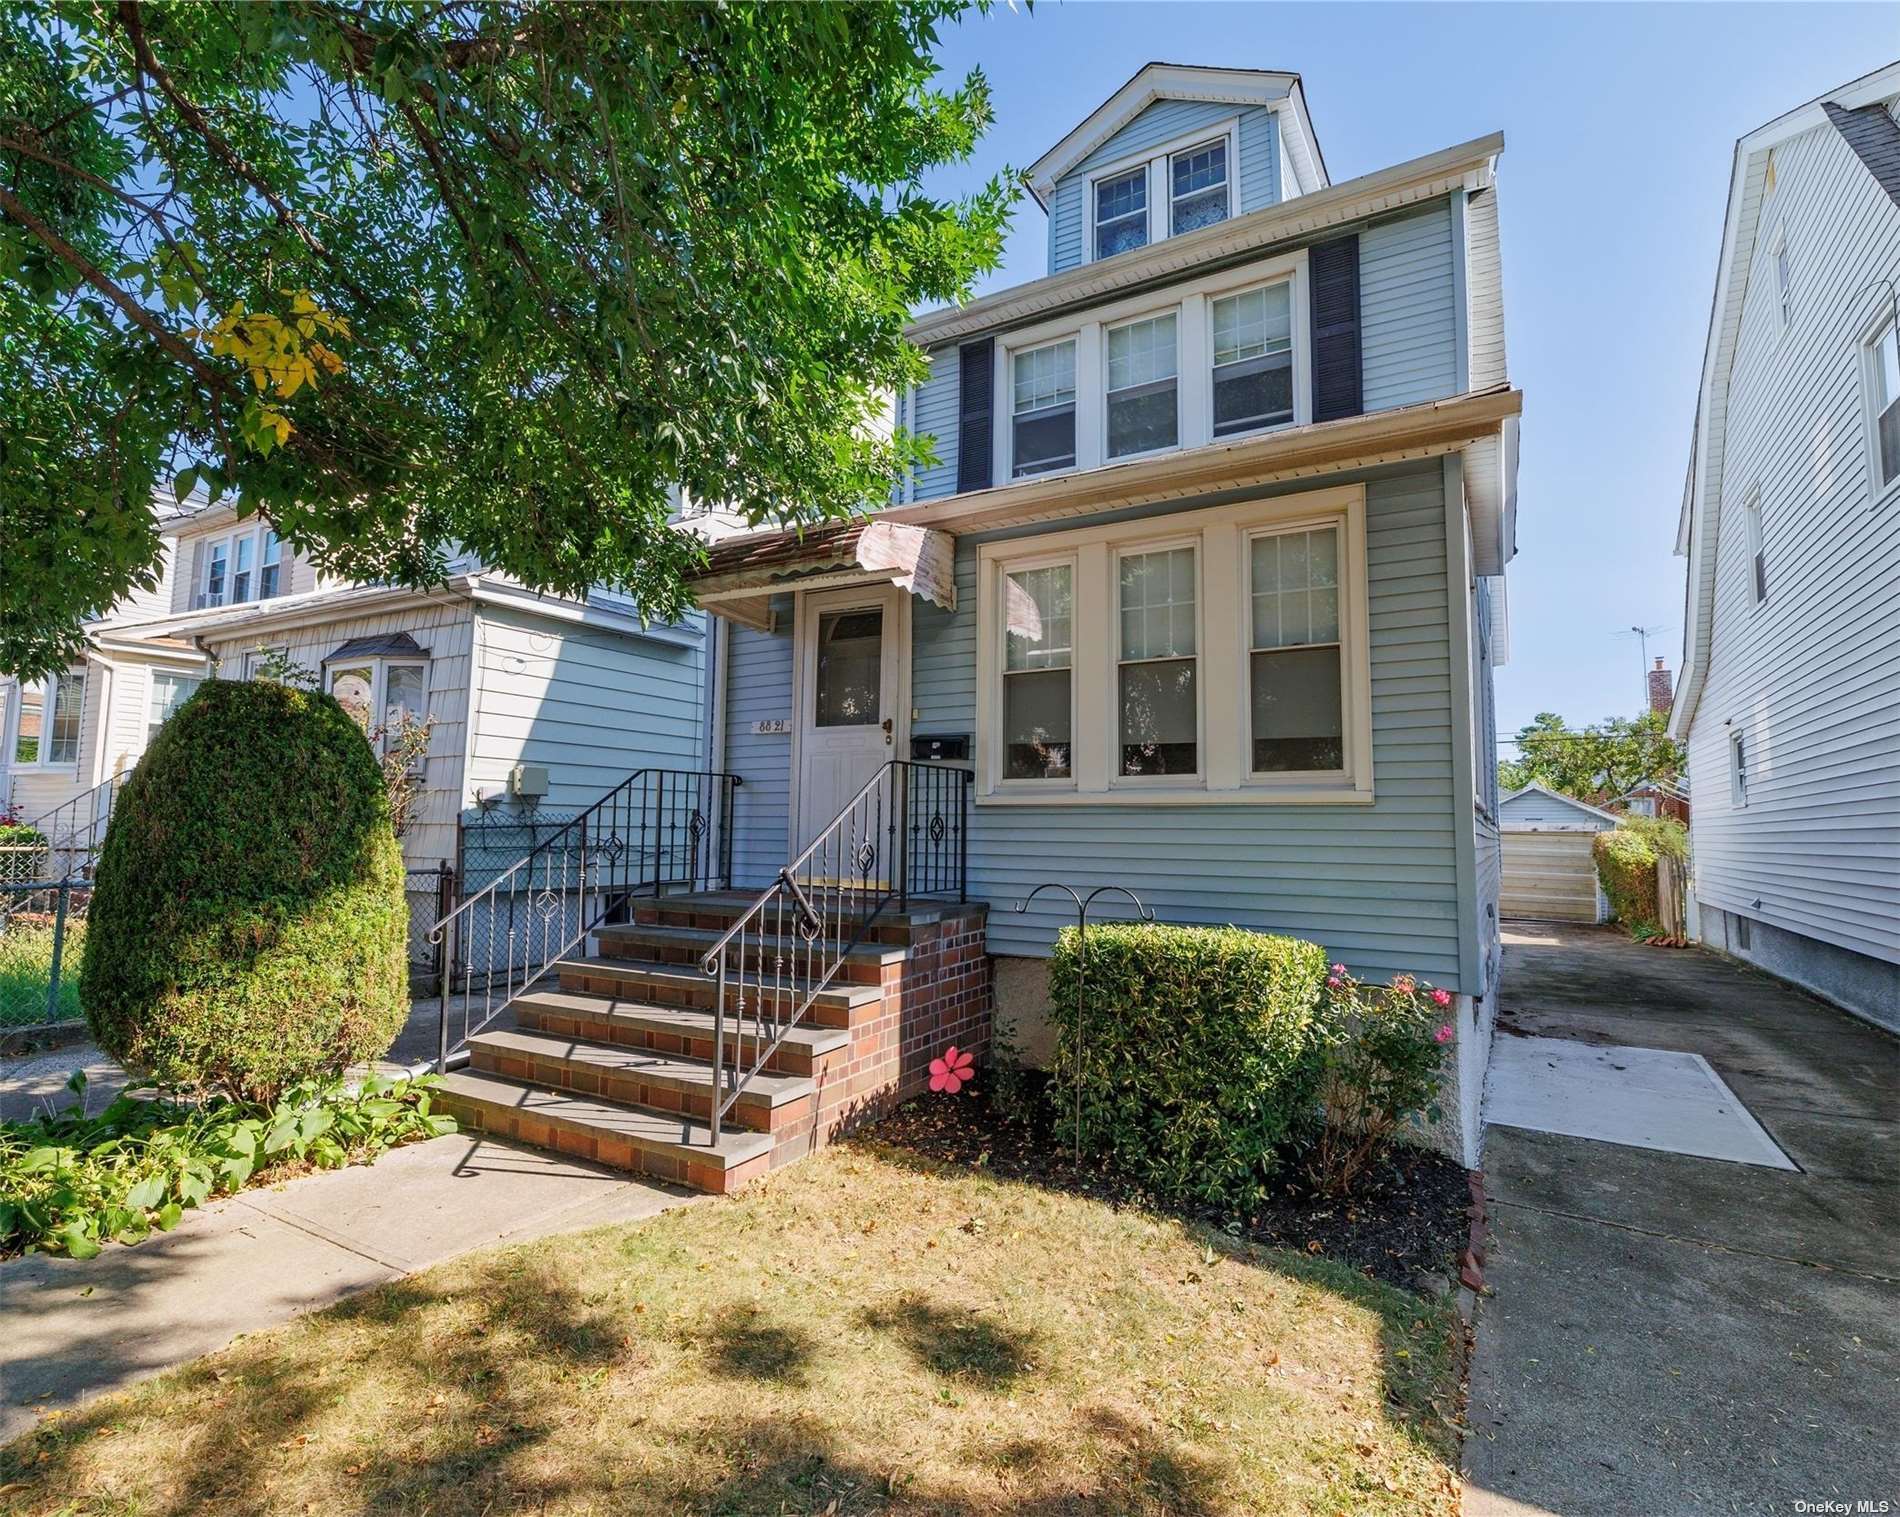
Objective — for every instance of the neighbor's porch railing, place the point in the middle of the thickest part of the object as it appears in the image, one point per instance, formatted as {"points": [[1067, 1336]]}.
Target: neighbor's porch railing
{"points": [[903, 837], [76, 831], [657, 830]]}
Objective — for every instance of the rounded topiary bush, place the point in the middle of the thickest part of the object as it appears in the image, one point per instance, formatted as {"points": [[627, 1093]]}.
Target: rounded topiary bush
{"points": [[248, 926]]}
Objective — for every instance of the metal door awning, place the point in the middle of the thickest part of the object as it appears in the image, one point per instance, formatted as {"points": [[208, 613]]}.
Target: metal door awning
{"points": [[742, 574]]}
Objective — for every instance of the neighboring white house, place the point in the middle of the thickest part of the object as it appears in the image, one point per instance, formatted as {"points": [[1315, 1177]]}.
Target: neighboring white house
{"points": [[1549, 871], [1790, 694], [578, 688]]}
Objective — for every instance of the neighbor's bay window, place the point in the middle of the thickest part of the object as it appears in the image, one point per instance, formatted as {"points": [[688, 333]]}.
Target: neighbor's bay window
{"points": [[378, 693], [1158, 713], [1038, 657], [1253, 359], [1042, 409], [1295, 674], [1213, 655], [1143, 385]]}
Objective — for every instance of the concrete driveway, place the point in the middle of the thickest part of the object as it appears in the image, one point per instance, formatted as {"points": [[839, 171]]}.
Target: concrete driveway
{"points": [[1671, 1334]]}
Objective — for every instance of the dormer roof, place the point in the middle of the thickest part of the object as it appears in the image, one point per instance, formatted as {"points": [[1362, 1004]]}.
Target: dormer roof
{"points": [[1189, 81]]}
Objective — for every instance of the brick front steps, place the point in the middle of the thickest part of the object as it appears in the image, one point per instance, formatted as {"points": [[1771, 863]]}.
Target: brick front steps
{"points": [[610, 1058]]}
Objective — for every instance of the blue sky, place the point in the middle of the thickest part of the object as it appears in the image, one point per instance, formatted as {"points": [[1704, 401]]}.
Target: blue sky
{"points": [[1619, 123]]}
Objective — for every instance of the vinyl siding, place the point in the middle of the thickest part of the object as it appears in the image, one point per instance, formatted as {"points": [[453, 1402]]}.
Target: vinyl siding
{"points": [[1484, 276], [759, 687], [1812, 676], [936, 418], [444, 630], [1164, 121], [150, 605], [1408, 310], [1535, 809]]}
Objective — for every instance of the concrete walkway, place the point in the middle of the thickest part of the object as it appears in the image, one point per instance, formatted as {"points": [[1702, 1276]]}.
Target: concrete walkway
{"points": [[1671, 1334], [71, 1329]]}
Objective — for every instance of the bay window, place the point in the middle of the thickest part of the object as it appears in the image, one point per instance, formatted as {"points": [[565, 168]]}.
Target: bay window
{"points": [[46, 728], [1038, 658], [1157, 711], [1218, 655], [1253, 359], [1143, 409], [378, 693], [1198, 187], [169, 692], [1121, 212], [1295, 670], [1043, 408]]}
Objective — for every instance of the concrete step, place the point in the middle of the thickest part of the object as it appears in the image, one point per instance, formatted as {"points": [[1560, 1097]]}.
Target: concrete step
{"points": [[638, 1077], [666, 943], [621, 1137], [837, 1005], [685, 1032]]}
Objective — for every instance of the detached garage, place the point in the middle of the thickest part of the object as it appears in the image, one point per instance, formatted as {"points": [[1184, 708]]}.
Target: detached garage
{"points": [[1548, 871]]}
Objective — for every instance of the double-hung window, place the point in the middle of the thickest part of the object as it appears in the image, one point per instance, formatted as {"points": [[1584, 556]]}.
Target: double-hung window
{"points": [[169, 692], [1157, 702], [270, 565], [1784, 280], [1757, 557], [1883, 394], [1038, 672], [1143, 386], [46, 731], [1042, 413], [246, 550], [1737, 769], [1197, 182], [1121, 212], [217, 568], [241, 566], [1295, 658], [1253, 359]]}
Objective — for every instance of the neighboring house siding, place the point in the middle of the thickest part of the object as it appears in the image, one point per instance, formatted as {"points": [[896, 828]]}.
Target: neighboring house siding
{"points": [[936, 418], [1536, 809], [1375, 884], [1484, 280], [150, 605], [1408, 310], [442, 629], [1811, 677], [1165, 120], [589, 705], [759, 687], [38, 791]]}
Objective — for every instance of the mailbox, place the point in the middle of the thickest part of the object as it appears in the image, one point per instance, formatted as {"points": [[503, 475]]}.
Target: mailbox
{"points": [[943, 748]]}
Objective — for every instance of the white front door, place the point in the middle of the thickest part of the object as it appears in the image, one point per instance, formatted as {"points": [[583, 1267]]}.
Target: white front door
{"points": [[849, 697]]}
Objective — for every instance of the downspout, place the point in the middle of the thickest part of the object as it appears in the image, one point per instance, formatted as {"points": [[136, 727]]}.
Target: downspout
{"points": [[717, 666], [1464, 785]]}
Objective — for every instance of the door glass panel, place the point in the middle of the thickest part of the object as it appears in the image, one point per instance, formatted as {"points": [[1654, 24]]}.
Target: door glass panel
{"points": [[850, 668]]}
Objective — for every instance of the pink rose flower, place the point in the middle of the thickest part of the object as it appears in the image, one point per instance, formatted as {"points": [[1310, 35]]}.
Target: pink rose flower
{"points": [[1441, 999], [1332, 982], [1339, 969], [1404, 983], [949, 1073], [1443, 1035]]}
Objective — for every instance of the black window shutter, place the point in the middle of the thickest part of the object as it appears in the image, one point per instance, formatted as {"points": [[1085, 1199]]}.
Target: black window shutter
{"points": [[1336, 375], [976, 383]]}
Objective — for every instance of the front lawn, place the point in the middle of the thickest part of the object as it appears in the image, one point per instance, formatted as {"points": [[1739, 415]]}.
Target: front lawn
{"points": [[26, 973], [865, 1332]]}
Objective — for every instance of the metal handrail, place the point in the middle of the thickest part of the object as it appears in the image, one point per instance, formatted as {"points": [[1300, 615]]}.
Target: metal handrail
{"points": [[77, 827], [904, 836], [658, 829]]}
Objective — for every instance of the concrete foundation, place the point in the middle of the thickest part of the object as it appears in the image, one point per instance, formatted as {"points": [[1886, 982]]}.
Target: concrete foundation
{"points": [[1868, 987]]}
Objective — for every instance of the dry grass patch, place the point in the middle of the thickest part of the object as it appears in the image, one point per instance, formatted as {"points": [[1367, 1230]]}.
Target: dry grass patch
{"points": [[860, 1334]]}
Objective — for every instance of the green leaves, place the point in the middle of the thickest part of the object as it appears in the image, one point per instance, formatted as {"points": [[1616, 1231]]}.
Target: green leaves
{"points": [[588, 253], [72, 1183]]}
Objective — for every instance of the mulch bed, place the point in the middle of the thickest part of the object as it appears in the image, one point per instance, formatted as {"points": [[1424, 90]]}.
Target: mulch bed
{"points": [[1406, 1227]]}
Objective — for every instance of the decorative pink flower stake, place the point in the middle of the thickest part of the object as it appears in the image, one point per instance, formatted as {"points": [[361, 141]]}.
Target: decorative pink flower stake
{"points": [[950, 1073]]}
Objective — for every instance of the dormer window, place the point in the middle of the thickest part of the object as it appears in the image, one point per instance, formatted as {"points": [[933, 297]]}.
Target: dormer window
{"points": [[1121, 212], [1043, 408], [1198, 181]]}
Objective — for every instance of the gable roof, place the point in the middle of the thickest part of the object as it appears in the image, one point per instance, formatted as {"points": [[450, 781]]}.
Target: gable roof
{"points": [[1583, 808], [1187, 81], [1703, 492]]}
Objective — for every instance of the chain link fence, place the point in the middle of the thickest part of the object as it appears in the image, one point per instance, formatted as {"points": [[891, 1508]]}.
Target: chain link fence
{"points": [[42, 932]]}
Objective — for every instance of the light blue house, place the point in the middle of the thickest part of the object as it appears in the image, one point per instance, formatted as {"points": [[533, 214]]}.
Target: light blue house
{"points": [[1204, 592]]}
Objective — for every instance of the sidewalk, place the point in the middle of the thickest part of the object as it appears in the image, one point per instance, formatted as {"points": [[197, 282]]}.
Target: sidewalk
{"points": [[72, 1329]]}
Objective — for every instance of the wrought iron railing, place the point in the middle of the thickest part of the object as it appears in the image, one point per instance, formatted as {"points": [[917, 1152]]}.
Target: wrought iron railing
{"points": [[658, 830], [903, 837], [76, 831]]}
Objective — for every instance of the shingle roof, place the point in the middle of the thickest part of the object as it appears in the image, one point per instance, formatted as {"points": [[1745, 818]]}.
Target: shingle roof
{"points": [[387, 645], [1874, 136]]}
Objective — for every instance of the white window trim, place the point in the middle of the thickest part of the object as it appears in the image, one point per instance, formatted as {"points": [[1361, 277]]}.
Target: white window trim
{"points": [[1752, 537], [1293, 776], [1877, 493], [1222, 648], [151, 692], [1783, 297], [1171, 539], [379, 666], [1179, 386], [1194, 362], [43, 764], [1231, 158], [1160, 182], [1738, 762], [999, 610], [229, 540]]}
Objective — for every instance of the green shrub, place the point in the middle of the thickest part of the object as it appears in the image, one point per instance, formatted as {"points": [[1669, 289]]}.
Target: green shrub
{"points": [[1195, 1053], [19, 835], [248, 926], [1626, 864], [1381, 1060], [69, 1182]]}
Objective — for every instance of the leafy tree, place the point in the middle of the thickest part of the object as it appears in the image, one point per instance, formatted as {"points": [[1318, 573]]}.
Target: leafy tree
{"points": [[1593, 763], [498, 276]]}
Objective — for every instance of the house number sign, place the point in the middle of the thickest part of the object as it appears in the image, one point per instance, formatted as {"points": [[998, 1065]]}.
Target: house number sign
{"points": [[772, 726]]}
